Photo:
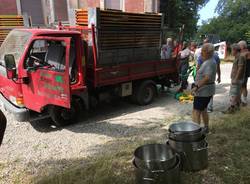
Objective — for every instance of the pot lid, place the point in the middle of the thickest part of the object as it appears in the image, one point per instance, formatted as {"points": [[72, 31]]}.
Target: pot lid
{"points": [[184, 127]]}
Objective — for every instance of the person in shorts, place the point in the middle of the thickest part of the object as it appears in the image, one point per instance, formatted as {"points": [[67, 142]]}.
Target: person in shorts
{"points": [[237, 79], [218, 71], [3, 122], [204, 87], [245, 53]]}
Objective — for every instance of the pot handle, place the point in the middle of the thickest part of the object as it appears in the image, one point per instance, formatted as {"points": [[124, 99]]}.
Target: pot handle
{"points": [[154, 172], [158, 171], [177, 133], [201, 149], [148, 179]]}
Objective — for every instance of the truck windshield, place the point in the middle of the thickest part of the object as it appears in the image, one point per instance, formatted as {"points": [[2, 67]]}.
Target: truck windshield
{"points": [[14, 44]]}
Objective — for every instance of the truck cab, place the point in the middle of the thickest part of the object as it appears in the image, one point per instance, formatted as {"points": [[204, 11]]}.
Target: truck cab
{"points": [[40, 71], [58, 73]]}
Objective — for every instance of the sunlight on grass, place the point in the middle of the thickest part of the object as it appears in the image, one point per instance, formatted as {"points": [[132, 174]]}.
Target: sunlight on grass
{"points": [[229, 148]]}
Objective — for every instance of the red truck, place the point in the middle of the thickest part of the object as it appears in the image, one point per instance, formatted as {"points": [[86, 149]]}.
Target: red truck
{"points": [[56, 73]]}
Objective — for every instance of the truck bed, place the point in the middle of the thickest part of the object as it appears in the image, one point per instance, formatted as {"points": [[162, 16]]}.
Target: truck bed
{"points": [[110, 75]]}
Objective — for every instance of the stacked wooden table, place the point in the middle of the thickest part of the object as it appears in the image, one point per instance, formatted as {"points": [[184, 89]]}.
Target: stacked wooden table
{"points": [[7, 23]]}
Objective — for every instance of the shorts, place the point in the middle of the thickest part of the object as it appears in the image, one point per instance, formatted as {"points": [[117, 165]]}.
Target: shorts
{"points": [[201, 103], [235, 89]]}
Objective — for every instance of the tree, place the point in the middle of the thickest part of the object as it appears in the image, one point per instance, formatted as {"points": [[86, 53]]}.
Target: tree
{"points": [[232, 24], [179, 12]]}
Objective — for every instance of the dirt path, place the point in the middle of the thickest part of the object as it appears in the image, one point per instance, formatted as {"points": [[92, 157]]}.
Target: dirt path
{"points": [[39, 142]]}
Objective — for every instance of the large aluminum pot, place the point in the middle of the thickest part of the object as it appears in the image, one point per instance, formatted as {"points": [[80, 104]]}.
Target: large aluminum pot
{"points": [[194, 155], [145, 176], [155, 157], [185, 131]]}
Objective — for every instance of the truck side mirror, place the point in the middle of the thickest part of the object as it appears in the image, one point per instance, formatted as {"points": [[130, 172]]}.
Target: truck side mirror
{"points": [[10, 65]]}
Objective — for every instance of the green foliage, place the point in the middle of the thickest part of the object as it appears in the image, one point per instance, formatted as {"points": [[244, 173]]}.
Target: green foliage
{"points": [[232, 24], [248, 36], [179, 12]]}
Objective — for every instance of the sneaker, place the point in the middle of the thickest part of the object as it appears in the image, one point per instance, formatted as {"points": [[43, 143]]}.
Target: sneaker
{"points": [[230, 110], [243, 104], [209, 110], [206, 129]]}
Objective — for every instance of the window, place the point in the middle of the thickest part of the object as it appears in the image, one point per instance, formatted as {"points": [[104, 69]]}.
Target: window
{"points": [[113, 4], [48, 54], [15, 44], [61, 11], [151, 6]]}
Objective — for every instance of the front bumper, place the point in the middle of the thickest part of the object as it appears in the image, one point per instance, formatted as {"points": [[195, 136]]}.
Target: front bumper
{"points": [[20, 114]]}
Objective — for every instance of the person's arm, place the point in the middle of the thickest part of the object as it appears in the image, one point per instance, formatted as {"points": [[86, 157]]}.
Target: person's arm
{"points": [[198, 63], [218, 73], [201, 83], [208, 71], [204, 81]]}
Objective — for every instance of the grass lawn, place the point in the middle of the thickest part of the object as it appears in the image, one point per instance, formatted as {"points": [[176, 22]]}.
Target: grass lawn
{"points": [[229, 158]]}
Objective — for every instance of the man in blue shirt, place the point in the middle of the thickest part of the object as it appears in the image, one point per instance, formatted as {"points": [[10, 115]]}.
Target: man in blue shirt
{"points": [[217, 61]]}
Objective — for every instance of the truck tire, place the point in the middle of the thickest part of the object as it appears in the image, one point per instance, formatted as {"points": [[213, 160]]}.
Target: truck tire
{"points": [[62, 116], [144, 92]]}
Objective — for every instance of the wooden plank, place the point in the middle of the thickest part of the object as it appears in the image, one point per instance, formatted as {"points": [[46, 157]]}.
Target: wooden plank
{"points": [[130, 14], [129, 26], [129, 18], [132, 23]]}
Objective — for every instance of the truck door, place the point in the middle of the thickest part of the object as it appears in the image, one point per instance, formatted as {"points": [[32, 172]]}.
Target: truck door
{"points": [[46, 75]]}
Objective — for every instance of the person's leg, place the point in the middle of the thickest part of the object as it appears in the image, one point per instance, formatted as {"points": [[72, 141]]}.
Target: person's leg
{"points": [[210, 105], [3, 122], [205, 117], [196, 116], [244, 92]]}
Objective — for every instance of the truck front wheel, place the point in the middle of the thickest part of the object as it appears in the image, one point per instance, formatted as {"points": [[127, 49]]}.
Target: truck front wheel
{"points": [[62, 116], [144, 92]]}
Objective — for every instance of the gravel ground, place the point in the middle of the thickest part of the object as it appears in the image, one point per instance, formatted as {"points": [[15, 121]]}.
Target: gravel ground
{"points": [[29, 145]]}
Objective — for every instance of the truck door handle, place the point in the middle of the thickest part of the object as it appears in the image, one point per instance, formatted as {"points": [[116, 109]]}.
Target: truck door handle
{"points": [[114, 73]]}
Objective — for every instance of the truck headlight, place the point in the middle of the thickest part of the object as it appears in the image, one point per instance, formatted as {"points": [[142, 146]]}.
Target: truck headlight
{"points": [[18, 101]]}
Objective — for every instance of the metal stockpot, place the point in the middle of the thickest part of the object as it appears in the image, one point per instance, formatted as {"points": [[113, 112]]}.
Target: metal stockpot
{"points": [[185, 131], [171, 176], [155, 157], [194, 155]]}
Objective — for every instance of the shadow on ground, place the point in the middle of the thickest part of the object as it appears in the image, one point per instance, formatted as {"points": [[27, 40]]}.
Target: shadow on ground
{"points": [[103, 114]]}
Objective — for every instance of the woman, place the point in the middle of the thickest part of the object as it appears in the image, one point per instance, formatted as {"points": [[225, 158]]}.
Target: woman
{"points": [[204, 87]]}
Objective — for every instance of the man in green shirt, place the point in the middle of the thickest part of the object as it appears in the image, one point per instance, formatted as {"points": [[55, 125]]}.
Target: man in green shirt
{"points": [[237, 78]]}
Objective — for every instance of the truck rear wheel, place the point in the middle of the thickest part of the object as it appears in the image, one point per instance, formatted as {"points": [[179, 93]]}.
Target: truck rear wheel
{"points": [[144, 92], [62, 116]]}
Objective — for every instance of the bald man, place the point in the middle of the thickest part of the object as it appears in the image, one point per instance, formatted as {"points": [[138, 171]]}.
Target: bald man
{"points": [[246, 55]]}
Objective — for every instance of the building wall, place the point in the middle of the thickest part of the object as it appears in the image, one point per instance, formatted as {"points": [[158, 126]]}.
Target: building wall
{"points": [[93, 3], [8, 7], [134, 6]]}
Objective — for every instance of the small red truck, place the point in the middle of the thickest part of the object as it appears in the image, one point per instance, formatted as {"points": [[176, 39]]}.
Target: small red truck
{"points": [[56, 73]]}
